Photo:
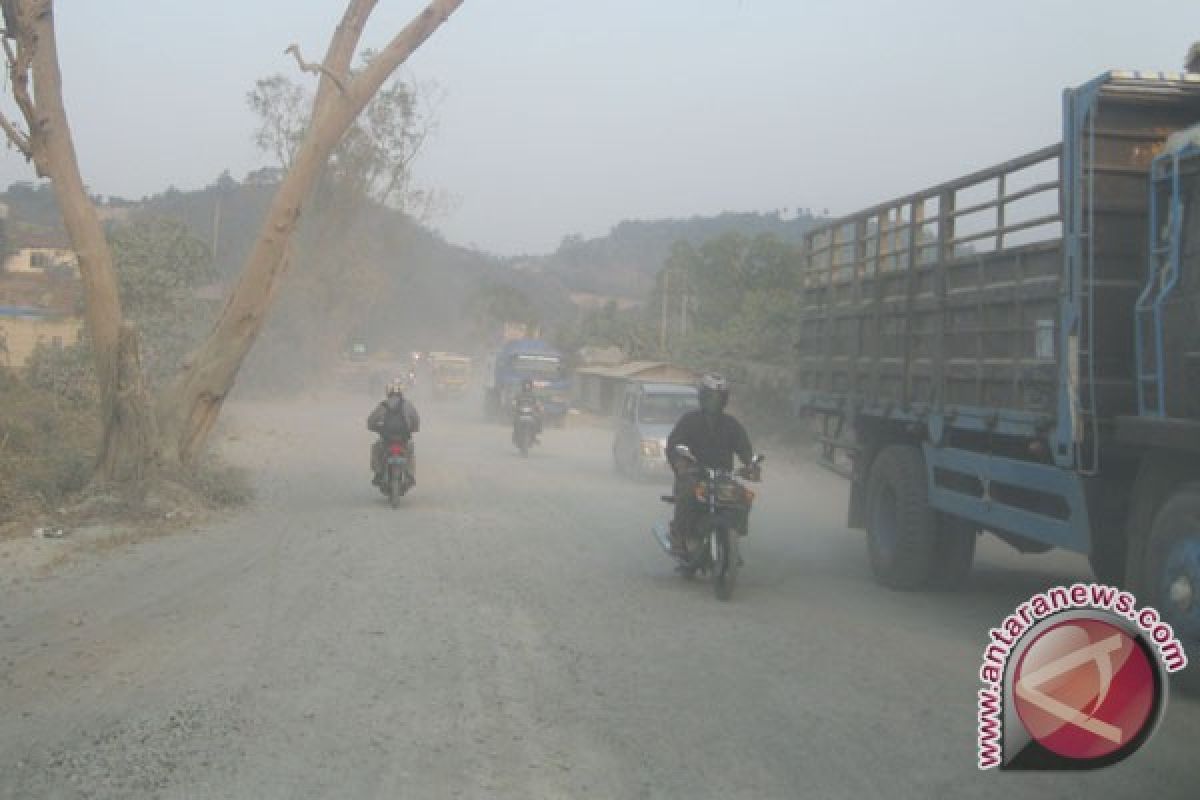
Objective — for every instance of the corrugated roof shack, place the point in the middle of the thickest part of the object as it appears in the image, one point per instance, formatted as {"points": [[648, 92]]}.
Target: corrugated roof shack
{"points": [[599, 389]]}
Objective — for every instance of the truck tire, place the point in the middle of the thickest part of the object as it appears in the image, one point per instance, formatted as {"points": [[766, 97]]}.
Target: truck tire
{"points": [[953, 552], [902, 528], [1108, 560], [1109, 546], [1172, 576]]}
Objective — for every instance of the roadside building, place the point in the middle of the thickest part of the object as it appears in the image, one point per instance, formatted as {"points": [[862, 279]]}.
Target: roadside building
{"points": [[41, 254], [592, 356], [599, 389], [41, 297]]}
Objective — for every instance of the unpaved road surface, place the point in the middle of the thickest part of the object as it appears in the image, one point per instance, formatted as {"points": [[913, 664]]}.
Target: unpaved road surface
{"points": [[512, 631]]}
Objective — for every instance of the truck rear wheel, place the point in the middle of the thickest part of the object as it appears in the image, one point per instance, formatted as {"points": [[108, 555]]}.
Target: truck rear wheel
{"points": [[1108, 561], [902, 528], [953, 552], [1172, 577], [1108, 551]]}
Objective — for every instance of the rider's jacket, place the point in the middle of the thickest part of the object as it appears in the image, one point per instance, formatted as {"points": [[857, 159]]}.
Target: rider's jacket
{"points": [[394, 419], [527, 399], [713, 439]]}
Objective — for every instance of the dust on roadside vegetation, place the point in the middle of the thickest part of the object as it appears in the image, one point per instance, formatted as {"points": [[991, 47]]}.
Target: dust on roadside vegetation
{"points": [[48, 512]]}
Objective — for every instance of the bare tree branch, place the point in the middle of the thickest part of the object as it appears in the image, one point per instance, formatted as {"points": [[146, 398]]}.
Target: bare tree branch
{"points": [[20, 20], [342, 46], [191, 406], [402, 45], [8, 51], [17, 138], [311, 66]]}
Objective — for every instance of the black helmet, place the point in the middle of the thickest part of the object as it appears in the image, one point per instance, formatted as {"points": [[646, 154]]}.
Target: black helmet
{"points": [[527, 385], [713, 393]]}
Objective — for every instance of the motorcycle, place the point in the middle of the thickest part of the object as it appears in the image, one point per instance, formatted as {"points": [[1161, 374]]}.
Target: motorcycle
{"points": [[525, 427], [397, 479], [724, 503]]}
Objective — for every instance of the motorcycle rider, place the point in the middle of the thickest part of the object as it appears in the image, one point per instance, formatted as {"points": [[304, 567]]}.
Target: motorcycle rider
{"points": [[714, 437], [526, 397], [394, 419]]}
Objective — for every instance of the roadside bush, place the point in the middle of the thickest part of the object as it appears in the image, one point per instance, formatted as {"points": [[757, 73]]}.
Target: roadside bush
{"points": [[219, 484], [67, 373], [50, 434], [48, 441]]}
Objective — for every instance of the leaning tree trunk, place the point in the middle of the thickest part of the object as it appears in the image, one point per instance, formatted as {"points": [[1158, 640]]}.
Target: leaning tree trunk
{"points": [[126, 422], [190, 407]]}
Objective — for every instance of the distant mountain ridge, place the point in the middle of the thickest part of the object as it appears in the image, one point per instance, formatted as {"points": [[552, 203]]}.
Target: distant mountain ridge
{"points": [[625, 261]]}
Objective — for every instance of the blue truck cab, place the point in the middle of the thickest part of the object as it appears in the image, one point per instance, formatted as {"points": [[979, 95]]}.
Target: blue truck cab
{"points": [[1017, 351], [518, 360]]}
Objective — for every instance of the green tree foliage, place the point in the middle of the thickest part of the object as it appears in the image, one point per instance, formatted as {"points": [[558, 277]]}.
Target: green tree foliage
{"points": [[630, 330], [282, 107], [347, 268], [160, 265], [625, 260], [374, 159], [741, 294], [47, 438], [497, 303], [32, 204], [64, 372]]}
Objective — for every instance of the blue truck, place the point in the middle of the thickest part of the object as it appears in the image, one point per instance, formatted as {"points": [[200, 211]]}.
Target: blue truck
{"points": [[1018, 352], [513, 363]]}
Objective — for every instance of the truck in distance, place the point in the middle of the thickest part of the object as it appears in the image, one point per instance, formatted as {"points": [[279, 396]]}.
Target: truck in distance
{"points": [[522, 359], [450, 373]]}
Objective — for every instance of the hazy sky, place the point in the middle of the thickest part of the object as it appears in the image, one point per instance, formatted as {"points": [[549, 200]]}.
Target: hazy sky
{"points": [[566, 116]]}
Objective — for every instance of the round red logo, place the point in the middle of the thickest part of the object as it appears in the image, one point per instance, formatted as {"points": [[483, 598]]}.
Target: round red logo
{"points": [[1085, 688]]}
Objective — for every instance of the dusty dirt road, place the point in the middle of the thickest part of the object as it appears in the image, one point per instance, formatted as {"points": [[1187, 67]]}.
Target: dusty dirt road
{"points": [[512, 631]]}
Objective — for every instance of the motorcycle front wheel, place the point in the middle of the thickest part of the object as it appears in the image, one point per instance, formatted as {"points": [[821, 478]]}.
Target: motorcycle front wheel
{"points": [[725, 562]]}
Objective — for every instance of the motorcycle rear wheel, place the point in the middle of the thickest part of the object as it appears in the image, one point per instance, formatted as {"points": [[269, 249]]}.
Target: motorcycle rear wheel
{"points": [[394, 489]]}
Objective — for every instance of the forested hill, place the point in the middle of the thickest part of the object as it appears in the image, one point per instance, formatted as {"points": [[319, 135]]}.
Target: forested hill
{"points": [[429, 281], [434, 273], [626, 260]]}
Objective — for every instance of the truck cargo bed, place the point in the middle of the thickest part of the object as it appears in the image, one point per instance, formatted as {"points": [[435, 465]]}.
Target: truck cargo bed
{"points": [[902, 313], [974, 300]]}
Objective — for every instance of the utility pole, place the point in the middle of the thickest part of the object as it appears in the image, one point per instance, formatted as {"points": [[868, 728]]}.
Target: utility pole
{"points": [[216, 224], [662, 327]]}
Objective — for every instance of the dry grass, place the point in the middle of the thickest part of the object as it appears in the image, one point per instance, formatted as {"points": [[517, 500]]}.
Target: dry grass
{"points": [[47, 447], [48, 444]]}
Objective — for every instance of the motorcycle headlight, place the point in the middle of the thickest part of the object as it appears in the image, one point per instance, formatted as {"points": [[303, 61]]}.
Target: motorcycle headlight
{"points": [[650, 448], [729, 493]]}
